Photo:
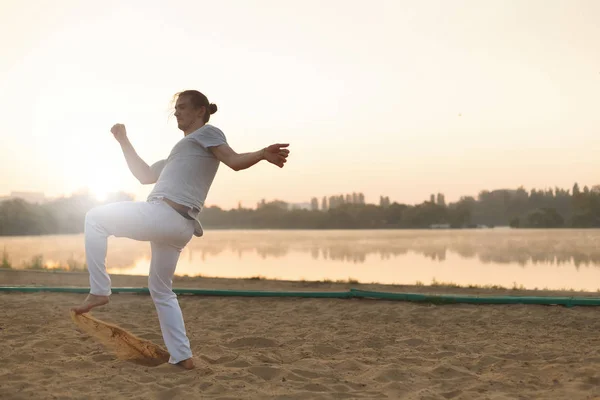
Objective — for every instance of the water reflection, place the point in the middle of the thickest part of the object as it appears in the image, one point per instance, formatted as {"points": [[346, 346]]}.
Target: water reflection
{"points": [[534, 258], [568, 247]]}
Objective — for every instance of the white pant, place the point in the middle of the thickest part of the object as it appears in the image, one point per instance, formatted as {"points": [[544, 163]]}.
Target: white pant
{"points": [[168, 233]]}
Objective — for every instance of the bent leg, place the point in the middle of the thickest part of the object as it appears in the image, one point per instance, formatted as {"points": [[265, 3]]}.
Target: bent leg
{"points": [[134, 220]]}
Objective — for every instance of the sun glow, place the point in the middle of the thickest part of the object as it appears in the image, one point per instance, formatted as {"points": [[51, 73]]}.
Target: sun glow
{"points": [[99, 192], [102, 186]]}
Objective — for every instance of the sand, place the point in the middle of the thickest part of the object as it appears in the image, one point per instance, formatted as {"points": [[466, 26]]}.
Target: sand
{"points": [[288, 348]]}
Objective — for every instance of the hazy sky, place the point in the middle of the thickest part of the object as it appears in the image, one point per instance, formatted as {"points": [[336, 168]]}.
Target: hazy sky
{"points": [[396, 98]]}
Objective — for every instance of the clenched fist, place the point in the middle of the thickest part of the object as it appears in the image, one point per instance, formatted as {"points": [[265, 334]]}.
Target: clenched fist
{"points": [[119, 132]]}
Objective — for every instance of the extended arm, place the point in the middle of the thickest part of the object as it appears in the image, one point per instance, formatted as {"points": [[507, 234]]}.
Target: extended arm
{"points": [[275, 154]]}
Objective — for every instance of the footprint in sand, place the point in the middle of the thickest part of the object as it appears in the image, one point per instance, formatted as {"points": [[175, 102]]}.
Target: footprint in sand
{"points": [[392, 375], [252, 342], [307, 374], [220, 360], [267, 373], [290, 376], [350, 366], [102, 357], [325, 350], [447, 371], [316, 387], [238, 364]]}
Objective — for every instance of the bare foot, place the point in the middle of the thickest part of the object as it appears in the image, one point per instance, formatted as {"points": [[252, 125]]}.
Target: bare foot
{"points": [[187, 364], [90, 302]]}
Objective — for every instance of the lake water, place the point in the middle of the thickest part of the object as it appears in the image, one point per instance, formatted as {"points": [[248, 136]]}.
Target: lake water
{"points": [[553, 259]]}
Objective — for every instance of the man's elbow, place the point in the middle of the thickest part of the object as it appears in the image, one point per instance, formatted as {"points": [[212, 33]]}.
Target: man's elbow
{"points": [[235, 167], [233, 163], [147, 180], [230, 158]]}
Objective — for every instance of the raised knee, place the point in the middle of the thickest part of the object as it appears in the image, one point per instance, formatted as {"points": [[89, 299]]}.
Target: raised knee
{"points": [[91, 216]]}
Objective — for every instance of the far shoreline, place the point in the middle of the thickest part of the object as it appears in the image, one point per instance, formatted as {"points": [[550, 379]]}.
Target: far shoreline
{"points": [[33, 278], [208, 230]]}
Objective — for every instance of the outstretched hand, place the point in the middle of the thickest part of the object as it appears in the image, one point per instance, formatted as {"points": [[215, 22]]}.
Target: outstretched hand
{"points": [[119, 132], [276, 154]]}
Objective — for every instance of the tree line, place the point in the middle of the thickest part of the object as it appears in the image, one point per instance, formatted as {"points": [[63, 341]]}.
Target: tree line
{"points": [[518, 208], [61, 216]]}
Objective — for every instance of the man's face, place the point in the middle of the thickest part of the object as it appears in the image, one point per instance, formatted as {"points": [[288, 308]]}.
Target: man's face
{"points": [[185, 113]]}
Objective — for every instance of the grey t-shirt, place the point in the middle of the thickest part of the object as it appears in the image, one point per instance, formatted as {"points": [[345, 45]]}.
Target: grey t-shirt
{"points": [[186, 175]]}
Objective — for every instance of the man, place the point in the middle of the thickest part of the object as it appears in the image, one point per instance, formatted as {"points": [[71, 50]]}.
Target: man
{"points": [[170, 216]]}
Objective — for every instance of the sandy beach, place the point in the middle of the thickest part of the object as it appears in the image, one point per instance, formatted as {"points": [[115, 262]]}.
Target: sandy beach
{"points": [[291, 348]]}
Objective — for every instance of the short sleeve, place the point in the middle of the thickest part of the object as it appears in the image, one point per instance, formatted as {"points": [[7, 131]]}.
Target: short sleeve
{"points": [[157, 167], [209, 136]]}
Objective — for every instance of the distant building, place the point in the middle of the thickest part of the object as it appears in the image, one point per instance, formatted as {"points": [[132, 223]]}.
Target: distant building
{"points": [[314, 204], [324, 205], [335, 201], [282, 205], [441, 200], [384, 201], [299, 206], [361, 198]]}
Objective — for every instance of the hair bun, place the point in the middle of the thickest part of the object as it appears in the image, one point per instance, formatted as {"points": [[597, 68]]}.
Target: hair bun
{"points": [[212, 108]]}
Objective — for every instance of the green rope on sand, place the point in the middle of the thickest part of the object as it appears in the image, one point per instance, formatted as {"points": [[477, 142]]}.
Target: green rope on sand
{"points": [[352, 293]]}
